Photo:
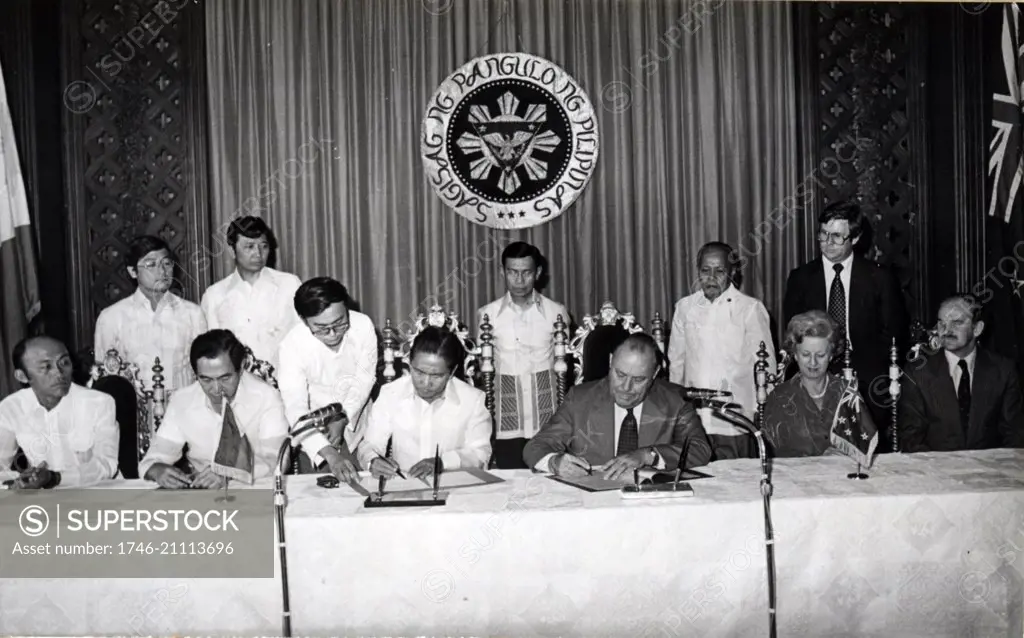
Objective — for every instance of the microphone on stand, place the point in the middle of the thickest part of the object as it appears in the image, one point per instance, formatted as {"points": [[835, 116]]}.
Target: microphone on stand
{"points": [[726, 412], [315, 420]]}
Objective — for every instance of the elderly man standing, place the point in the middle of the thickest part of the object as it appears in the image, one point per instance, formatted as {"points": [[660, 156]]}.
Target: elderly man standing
{"points": [[716, 333], [523, 321], [255, 301], [68, 433], [627, 420]]}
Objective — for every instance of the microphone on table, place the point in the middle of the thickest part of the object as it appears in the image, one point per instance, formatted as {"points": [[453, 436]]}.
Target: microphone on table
{"points": [[317, 419]]}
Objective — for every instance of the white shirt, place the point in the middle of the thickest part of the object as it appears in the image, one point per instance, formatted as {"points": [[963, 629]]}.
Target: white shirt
{"points": [[954, 367], [523, 337], [141, 334], [311, 376], [844, 277], [543, 465], [78, 437], [524, 344], [191, 419], [259, 314], [458, 422], [714, 345]]}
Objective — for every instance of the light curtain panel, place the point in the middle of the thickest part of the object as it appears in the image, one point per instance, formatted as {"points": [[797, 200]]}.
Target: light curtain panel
{"points": [[315, 123]]}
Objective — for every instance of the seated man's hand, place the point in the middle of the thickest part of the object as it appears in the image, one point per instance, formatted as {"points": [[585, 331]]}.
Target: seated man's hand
{"points": [[341, 466], [34, 478], [336, 430], [207, 480], [381, 466], [568, 465], [168, 476], [620, 465], [424, 468]]}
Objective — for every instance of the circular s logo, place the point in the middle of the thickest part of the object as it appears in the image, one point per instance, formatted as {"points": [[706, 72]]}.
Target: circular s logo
{"points": [[437, 585], [34, 521]]}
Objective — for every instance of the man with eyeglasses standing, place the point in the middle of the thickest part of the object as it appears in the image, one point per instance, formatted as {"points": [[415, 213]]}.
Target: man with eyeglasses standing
{"points": [[330, 357], [863, 298], [153, 322]]}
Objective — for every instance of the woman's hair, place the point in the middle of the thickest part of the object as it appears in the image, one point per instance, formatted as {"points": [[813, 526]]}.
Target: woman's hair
{"points": [[814, 323]]}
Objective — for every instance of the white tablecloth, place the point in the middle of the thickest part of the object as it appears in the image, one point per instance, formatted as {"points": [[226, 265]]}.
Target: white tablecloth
{"points": [[929, 545]]}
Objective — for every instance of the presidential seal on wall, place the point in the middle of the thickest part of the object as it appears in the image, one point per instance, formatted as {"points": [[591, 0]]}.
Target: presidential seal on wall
{"points": [[509, 140]]}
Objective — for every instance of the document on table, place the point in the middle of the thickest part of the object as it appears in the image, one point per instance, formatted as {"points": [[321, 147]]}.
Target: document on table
{"points": [[595, 483], [449, 480]]}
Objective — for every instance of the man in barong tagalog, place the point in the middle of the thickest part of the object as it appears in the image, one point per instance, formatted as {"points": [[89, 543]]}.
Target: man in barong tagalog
{"points": [[226, 405], [523, 321]]}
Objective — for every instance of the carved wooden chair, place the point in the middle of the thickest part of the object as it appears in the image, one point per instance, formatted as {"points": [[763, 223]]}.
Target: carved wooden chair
{"points": [[595, 339], [765, 380], [925, 343], [259, 368], [476, 369], [139, 409]]}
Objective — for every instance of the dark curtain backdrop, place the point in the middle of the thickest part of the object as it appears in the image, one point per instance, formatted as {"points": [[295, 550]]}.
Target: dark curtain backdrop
{"points": [[315, 120]]}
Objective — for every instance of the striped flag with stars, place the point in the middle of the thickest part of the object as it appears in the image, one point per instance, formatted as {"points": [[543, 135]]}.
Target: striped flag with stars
{"points": [[853, 433], [1005, 166], [1003, 295]]}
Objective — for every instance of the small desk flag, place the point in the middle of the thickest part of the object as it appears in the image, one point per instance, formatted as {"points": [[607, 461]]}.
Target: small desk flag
{"points": [[853, 433], [234, 458]]}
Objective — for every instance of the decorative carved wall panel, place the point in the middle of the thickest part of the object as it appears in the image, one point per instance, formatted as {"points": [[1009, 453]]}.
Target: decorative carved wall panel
{"points": [[869, 141], [134, 91]]}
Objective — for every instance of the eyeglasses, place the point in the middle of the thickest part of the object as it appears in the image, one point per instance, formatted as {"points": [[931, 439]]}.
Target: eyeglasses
{"points": [[338, 328], [165, 264], [833, 238]]}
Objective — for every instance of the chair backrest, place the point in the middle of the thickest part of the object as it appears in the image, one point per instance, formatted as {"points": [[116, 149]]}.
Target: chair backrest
{"points": [[396, 347], [765, 380], [594, 341], [150, 402], [925, 342], [259, 368], [126, 402], [478, 366]]}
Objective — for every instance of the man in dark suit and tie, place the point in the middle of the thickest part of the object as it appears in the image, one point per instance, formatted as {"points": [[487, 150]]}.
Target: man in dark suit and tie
{"points": [[625, 421], [964, 398], [862, 298]]}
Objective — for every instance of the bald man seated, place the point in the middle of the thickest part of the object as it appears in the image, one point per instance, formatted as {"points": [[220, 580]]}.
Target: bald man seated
{"points": [[626, 421], [68, 433]]}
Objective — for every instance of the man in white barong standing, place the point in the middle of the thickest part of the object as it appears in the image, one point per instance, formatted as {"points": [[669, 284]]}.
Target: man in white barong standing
{"points": [[716, 333], [524, 323]]}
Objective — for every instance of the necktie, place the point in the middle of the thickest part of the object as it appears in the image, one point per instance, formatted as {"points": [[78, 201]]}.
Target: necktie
{"points": [[963, 396], [629, 437], [837, 311]]}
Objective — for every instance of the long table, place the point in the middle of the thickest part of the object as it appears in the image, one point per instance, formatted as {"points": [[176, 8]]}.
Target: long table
{"points": [[930, 545]]}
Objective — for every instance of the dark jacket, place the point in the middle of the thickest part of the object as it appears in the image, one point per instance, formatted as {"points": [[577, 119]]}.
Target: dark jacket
{"points": [[584, 426], [929, 414]]}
